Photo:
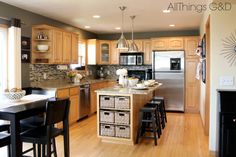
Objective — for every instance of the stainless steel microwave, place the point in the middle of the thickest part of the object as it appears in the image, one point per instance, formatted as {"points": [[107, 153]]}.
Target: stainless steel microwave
{"points": [[130, 58]]}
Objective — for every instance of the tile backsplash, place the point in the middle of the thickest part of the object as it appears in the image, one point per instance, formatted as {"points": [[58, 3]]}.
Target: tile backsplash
{"points": [[37, 71]]}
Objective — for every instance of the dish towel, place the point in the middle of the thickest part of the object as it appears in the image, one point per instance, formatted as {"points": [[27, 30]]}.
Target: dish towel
{"points": [[198, 71]]}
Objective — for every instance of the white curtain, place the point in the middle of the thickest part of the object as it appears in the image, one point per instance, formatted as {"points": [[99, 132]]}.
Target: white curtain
{"points": [[14, 57]]}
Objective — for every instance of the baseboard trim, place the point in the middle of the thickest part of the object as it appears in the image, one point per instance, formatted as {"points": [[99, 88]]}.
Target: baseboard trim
{"points": [[213, 153]]}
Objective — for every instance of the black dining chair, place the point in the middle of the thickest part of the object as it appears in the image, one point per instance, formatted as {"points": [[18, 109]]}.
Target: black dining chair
{"points": [[57, 110], [5, 139]]}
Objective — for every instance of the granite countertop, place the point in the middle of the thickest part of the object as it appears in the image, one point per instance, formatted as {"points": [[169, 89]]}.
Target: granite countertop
{"points": [[60, 84], [119, 90]]}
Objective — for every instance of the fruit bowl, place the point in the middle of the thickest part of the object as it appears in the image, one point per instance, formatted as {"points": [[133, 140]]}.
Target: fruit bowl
{"points": [[14, 96]]}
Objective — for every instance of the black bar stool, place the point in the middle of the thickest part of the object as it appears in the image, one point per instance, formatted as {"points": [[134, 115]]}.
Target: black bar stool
{"points": [[147, 115], [160, 111], [160, 98]]}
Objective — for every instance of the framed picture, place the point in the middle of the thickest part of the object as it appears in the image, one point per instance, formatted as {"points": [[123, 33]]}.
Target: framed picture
{"points": [[204, 70], [25, 56], [25, 43], [203, 54]]}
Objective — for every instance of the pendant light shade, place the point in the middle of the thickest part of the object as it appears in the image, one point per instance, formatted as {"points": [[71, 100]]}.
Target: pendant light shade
{"points": [[133, 47], [122, 43]]}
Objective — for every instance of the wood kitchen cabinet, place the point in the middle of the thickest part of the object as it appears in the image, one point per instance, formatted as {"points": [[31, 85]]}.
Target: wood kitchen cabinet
{"points": [[73, 94], [66, 48], [74, 48], [147, 52], [114, 54], [191, 44], [192, 87], [62, 45], [104, 52], [168, 43], [57, 46]]}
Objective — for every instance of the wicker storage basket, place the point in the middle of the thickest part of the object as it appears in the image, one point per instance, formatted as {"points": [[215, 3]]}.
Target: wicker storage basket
{"points": [[107, 116], [122, 117], [107, 101], [122, 102], [107, 130], [123, 131]]}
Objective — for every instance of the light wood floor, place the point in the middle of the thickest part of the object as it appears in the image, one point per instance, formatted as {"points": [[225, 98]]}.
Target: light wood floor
{"points": [[182, 137]]}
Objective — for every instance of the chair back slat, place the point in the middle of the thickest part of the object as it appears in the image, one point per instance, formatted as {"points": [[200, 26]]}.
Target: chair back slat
{"points": [[57, 110]]}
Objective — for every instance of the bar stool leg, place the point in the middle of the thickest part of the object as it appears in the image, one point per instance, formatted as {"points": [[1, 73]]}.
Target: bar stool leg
{"points": [[164, 108], [154, 128]]}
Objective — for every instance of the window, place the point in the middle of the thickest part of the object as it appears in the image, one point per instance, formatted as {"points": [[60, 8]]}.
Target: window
{"points": [[81, 56], [3, 58]]}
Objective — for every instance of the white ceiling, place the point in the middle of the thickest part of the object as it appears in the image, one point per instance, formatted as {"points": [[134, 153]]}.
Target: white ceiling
{"points": [[149, 15]]}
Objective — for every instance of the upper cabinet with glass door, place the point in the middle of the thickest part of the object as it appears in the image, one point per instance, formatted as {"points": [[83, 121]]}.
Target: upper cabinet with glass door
{"points": [[104, 52]]}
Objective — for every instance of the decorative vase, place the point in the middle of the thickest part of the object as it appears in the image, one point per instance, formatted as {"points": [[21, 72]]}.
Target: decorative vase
{"points": [[121, 80]]}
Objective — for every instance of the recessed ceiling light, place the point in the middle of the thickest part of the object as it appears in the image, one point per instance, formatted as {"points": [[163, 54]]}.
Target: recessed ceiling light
{"points": [[172, 25], [117, 28], [86, 26], [166, 11], [96, 16]]}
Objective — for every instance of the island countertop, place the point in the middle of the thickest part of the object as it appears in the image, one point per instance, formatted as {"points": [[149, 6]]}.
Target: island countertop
{"points": [[120, 90]]}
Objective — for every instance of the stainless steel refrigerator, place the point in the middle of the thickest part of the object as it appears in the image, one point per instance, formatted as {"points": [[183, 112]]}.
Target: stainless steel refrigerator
{"points": [[168, 68]]}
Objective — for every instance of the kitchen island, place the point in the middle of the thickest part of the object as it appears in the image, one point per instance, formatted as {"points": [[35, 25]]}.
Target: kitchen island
{"points": [[118, 112]]}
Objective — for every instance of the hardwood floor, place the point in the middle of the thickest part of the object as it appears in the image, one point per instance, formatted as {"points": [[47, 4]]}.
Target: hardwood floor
{"points": [[183, 137]]}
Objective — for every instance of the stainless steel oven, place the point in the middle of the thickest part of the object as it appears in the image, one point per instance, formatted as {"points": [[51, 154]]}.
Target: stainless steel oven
{"points": [[131, 58]]}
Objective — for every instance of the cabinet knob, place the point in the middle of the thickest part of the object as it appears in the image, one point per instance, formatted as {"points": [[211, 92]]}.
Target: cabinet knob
{"points": [[234, 120]]}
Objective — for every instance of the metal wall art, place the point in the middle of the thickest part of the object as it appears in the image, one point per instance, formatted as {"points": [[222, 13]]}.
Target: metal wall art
{"points": [[229, 50]]}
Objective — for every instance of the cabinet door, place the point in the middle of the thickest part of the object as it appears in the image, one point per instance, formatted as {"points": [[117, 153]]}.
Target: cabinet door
{"points": [[192, 86], [228, 140], [139, 44], [66, 48], [114, 53], [57, 46], [160, 44], [191, 44], [176, 44], [104, 52], [74, 109], [147, 52], [74, 48]]}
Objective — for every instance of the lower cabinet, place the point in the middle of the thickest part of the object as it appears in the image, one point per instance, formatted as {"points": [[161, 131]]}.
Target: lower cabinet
{"points": [[73, 94]]}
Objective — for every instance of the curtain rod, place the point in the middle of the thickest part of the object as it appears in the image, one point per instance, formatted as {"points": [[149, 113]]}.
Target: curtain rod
{"points": [[7, 19]]}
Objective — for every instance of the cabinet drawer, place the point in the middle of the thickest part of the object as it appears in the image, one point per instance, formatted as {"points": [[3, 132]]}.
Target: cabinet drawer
{"points": [[62, 93], [229, 119], [74, 91]]}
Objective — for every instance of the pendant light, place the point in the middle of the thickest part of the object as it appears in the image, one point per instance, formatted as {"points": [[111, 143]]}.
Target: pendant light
{"points": [[122, 43], [133, 47]]}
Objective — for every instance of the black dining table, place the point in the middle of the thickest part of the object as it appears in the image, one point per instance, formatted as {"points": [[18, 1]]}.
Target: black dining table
{"points": [[16, 113]]}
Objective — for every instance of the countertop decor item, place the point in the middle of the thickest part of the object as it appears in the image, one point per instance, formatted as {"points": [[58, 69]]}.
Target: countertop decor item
{"points": [[122, 43], [14, 94], [71, 74], [122, 76], [133, 47]]}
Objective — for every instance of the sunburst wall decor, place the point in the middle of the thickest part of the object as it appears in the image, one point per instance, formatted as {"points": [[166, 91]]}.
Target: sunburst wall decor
{"points": [[229, 50]]}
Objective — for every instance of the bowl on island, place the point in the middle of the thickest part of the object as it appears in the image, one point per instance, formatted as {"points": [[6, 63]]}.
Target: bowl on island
{"points": [[42, 48], [132, 82], [14, 96], [140, 85]]}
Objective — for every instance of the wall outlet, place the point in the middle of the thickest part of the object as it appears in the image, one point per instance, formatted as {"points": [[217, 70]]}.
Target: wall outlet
{"points": [[62, 67], [226, 81], [108, 72]]}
